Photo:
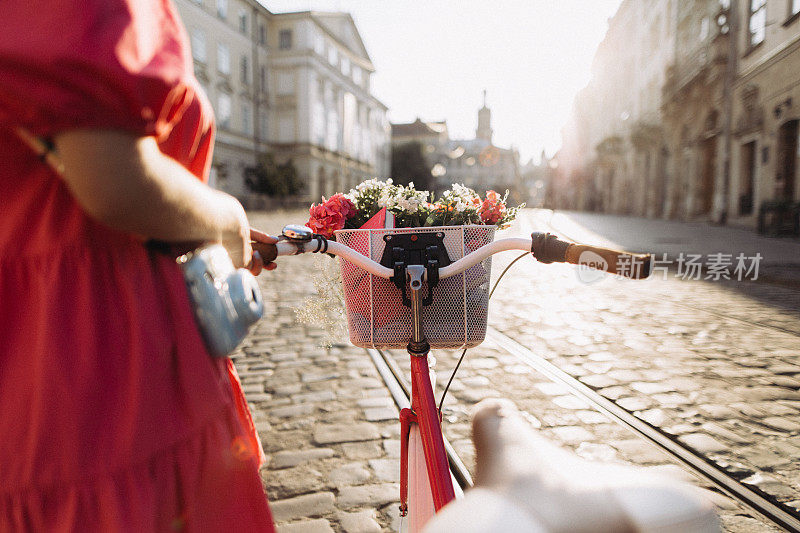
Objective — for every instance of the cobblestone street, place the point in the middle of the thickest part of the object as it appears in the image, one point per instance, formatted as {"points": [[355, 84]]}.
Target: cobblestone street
{"points": [[684, 356]]}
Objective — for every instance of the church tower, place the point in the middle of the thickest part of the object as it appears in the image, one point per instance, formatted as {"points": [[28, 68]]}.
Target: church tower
{"points": [[484, 130]]}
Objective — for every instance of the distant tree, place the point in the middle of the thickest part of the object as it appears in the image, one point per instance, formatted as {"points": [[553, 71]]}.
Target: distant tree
{"points": [[409, 164], [272, 179]]}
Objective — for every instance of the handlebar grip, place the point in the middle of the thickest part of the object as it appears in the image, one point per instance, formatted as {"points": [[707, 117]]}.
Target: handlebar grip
{"points": [[268, 251], [547, 248], [634, 266]]}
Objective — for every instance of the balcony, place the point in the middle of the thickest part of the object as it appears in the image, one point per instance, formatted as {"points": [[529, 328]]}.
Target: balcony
{"points": [[704, 64]]}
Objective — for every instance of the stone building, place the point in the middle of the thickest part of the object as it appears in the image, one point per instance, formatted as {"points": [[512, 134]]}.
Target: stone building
{"points": [[433, 136], [536, 180], [695, 97], [293, 84], [766, 109], [689, 113], [612, 154], [477, 163], [326, 119]]}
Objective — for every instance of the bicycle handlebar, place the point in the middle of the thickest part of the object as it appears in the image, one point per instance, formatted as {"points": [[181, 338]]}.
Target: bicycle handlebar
{"points": [[546, 248]]}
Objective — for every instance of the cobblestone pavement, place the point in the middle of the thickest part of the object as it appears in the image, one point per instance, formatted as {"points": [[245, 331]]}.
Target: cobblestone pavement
{"points": [[682, 355], [727, 389], [327, 423]]}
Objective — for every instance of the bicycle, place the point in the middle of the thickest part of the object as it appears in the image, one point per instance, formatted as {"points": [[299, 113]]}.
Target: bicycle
{"points": [[412, 258]]}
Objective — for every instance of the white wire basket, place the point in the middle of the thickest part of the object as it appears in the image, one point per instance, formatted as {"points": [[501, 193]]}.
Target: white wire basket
{"points": [[456, 318]]}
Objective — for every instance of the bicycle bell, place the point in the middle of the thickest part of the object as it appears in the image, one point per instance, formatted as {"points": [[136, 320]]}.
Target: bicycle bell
{"points": [[297, 233]]}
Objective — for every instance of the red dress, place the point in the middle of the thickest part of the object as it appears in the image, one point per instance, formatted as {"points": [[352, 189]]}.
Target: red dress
{"points": [[112, 415]]}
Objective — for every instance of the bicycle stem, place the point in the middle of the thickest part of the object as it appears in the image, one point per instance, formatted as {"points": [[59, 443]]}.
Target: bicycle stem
{"points": [[415, 275]]}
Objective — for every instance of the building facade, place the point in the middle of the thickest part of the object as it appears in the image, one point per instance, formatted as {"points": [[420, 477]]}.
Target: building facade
{"points": [[765, 110], [690, 113], [695, 95], [296, 85], [612, 153], [477, 163]]}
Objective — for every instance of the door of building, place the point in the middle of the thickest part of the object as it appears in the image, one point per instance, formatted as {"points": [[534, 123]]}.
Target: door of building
{"points": [[747, 178], [707, 175], [787, 161]]}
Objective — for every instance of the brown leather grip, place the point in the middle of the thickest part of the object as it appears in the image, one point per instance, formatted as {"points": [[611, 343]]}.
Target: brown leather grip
{"points": [[268, 251], [634, 266], [547, 248]]}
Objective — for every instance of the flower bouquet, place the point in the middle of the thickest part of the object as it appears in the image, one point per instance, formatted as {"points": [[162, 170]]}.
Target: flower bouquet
{"points": [[376, 316], [411, 208]]}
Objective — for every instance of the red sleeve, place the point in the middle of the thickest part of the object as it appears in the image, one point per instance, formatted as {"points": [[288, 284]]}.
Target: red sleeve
{"points": [[117, 64]]}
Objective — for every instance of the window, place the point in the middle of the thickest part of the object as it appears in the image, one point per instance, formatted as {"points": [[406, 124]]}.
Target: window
{"points": [[357, 75], [263, 125], [286, 129], [748, 178], [285, 83], [345, 66], [262, 79], [262, 34], [204, 86], [199, 45], [319, 44], [223, 58], [333, 57], [320, 94], [244, 71], [332, 133], [222, 9], [224, 110], [247, 118], [285, 39], [318, 123], [758, 21], [243, 21]]}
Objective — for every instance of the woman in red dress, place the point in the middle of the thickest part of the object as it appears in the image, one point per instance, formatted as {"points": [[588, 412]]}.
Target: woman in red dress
{"points": [[112, 415]]}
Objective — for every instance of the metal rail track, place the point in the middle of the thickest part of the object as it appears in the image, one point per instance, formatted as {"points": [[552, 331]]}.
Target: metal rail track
{"points": [[754, 499], [401, 393], [737, 319]]}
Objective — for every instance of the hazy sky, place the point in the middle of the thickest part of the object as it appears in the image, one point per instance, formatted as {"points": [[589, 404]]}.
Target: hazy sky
{"points": [[434, 58]]}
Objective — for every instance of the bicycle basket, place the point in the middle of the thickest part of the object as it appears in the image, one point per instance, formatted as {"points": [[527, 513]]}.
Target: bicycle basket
{"points": [[456, 318]]}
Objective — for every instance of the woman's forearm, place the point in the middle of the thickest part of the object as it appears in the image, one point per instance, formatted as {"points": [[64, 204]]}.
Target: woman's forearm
{"points": [[127, 183]]}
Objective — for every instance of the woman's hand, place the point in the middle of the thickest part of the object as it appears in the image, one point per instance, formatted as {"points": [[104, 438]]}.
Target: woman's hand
{"points": [[236, 237], [263, 251]]}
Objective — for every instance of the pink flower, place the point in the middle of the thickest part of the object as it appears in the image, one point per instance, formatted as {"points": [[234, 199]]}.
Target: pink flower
{"points": [[492, 209], [330, 215]]}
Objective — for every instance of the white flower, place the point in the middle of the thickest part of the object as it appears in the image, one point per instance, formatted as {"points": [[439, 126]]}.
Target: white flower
{"points": [[388, 198], [373, 184], [411, 205]]}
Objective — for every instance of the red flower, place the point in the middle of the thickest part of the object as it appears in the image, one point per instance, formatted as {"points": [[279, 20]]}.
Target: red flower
{"points": [[330, 215], [492, 209], [339, 202]]}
